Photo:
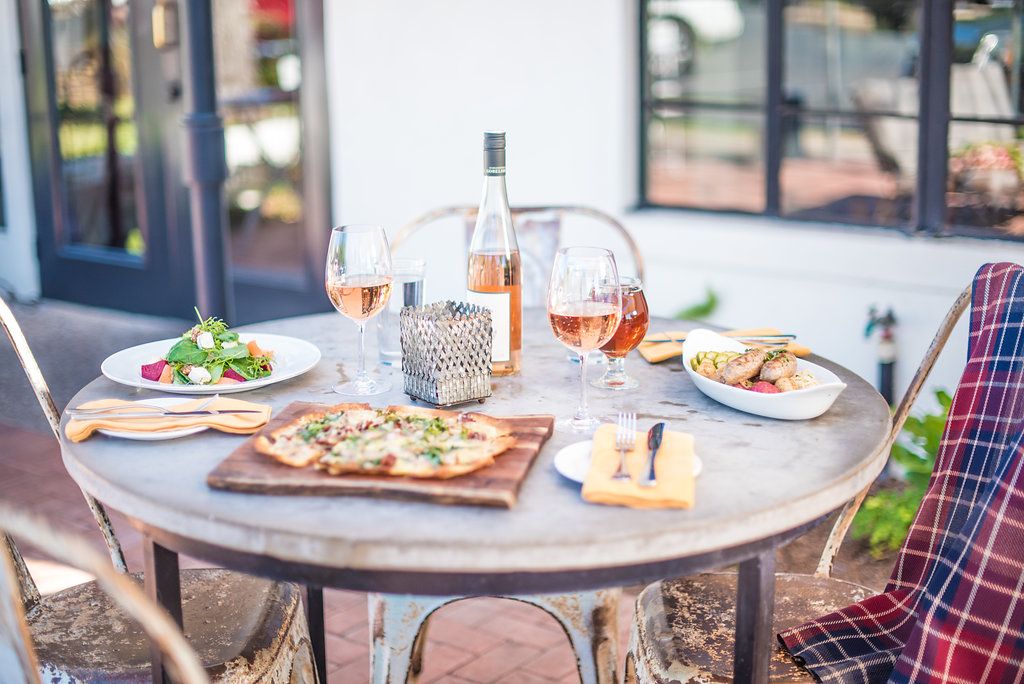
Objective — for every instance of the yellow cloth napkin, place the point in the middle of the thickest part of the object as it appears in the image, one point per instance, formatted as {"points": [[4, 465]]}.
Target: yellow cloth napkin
{"points": [[654, 351], [673, 469], [236, 423]]}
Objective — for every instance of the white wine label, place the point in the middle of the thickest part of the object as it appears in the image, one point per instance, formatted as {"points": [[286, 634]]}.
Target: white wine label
{"points": [[500, 304]]}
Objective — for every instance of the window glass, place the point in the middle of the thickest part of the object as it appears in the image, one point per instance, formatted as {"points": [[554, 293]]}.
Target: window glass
{"points": [[706, 50], [851, 56], [259, 76], [706, 159], [985, 78], [984, 195], [92, 68], [849, 170]]}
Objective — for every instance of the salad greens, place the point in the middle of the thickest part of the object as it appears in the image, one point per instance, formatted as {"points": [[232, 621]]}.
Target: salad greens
{"points": [[212, 346]]}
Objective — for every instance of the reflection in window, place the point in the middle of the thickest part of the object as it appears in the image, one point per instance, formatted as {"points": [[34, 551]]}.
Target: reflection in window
{"points": [[97, 137], [850, 170], [259, 75], [984, 187], [710, 160]]}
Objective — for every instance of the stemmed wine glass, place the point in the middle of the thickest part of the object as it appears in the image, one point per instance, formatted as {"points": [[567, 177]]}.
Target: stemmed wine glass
{"points": [[631, 331], [358, 283], [584, 309]]}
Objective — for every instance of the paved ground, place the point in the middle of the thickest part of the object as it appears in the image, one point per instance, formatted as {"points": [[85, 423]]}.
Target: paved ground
{"points": [[479, 640]]}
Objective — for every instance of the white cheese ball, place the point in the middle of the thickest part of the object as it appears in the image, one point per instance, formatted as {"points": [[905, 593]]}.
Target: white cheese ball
{"points": [[199, 375], [205, 340]]}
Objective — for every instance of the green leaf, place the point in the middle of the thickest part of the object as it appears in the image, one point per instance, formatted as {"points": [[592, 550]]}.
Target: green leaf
{"points": [[186, 351], [227, 336], [701, 310], [216, 371], [239, 352]]}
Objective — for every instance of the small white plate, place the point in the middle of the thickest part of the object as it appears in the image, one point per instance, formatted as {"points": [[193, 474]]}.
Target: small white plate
{"points": [[292, 357], [162, 402], [796, 405], [573, 461]]}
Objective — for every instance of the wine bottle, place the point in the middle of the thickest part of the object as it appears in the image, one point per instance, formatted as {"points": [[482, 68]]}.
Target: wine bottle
{"points": [[494, 277]]}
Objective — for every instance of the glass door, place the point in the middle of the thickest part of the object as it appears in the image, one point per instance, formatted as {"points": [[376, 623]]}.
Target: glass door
{"points": [[97, 100], [104, 87], [271, 95]]}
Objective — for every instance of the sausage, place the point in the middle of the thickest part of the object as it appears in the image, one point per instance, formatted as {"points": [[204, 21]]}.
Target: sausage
{"points": [[743, 367], [782, 365]]}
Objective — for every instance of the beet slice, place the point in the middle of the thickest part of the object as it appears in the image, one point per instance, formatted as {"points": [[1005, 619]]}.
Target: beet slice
{"points": [[233, 374], [152, 371]]}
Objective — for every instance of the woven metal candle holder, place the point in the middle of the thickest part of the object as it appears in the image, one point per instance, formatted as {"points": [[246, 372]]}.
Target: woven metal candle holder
{"points": [[446, 352]]}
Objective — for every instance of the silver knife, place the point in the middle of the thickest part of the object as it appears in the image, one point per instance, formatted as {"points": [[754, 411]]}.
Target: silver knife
{"points": [[653, 444], [164, 414]]}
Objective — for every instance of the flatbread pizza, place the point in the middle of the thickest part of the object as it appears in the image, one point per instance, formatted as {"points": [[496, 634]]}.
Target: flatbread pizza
{"points": [[397, 440]]}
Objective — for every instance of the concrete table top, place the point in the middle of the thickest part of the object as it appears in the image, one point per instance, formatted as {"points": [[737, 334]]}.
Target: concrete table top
{"points": [[762, 477]]}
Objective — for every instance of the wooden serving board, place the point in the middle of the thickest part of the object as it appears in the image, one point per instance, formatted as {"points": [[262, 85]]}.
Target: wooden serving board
{"points": [[246, 470]]}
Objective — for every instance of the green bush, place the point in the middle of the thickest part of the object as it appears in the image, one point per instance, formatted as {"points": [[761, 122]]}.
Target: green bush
{"points": [[886, 516]]}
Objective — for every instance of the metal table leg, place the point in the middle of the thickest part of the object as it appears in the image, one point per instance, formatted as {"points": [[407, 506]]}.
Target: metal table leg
{"points": [[755, 603], [317, 639], [163, 585]]}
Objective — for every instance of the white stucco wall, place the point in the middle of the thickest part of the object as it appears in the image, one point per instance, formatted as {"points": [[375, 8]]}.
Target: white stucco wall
{"points": [[19, 264], [412, 85]]}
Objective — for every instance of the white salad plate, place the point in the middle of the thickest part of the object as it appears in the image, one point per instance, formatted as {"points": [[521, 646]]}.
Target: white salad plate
{"points": [[573, 461], [292, 357], [802, 404], [165, 403]]}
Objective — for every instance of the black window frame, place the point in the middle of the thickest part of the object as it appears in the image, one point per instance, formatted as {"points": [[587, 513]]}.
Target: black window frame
{"points": [[929, 209]]}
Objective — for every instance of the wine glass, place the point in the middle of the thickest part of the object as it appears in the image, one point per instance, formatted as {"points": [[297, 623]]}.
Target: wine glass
{"points": [[358, 283], [584, 309], [631, 331]]}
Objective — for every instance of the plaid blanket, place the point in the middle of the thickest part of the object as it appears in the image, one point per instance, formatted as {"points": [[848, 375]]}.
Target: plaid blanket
{"points": [[953, 610]]}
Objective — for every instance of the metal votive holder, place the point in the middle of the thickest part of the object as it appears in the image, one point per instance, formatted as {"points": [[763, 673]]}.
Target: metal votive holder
{"points": [[446, 352]]}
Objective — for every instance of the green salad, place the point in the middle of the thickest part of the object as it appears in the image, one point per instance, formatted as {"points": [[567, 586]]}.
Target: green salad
{"points": [[210, 353]]}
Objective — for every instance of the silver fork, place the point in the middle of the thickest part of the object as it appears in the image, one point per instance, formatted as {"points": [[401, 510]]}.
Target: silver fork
{"points": [[625, 440], [107, 409]]}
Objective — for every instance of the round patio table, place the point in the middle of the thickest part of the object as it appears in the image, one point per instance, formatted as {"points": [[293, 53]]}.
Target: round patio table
{"points": [[764, 483]]}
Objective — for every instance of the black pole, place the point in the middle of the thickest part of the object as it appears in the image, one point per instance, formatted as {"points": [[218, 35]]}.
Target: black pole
{"points": [[205, 167]]}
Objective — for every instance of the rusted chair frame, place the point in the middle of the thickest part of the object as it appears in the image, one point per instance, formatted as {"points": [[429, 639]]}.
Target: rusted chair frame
{"points": [[468, 212], [845, 519], [45, 399], [158, 625]]}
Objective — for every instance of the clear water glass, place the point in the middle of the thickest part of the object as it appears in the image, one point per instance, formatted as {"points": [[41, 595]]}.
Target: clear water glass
{"points": [[407, 290]]}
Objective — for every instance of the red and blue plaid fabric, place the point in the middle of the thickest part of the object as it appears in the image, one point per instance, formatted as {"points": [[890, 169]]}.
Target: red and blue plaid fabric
{"points": [[953, 610]]}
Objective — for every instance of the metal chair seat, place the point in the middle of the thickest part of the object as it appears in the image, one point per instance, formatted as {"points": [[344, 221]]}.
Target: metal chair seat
{"points": [[243, 629], [683, 629]]}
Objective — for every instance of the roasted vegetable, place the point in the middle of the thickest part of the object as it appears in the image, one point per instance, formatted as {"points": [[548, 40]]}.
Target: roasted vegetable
{"points": [[799, 381]]}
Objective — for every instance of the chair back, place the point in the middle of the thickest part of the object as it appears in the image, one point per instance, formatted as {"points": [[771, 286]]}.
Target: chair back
{"points": [[16, 651], [842, 524], [539, 230], [45, 399]]}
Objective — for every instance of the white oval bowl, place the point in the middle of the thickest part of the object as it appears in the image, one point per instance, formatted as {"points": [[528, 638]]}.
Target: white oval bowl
{"points": [[796, 405]]}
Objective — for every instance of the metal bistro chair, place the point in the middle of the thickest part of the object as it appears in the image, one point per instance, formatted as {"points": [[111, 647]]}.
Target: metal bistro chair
{"points": [[589, 618], [244, 628], [683, 629], [18, 659], [538, 230]]}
